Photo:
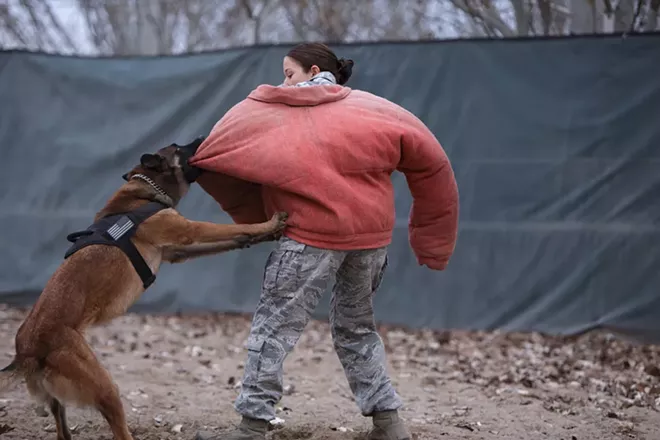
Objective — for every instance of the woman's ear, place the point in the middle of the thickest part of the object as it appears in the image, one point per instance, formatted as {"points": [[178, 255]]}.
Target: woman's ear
{"points": [[315, 70]]}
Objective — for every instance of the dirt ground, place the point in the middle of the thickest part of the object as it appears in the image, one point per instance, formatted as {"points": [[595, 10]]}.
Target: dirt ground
{"points": [[179, 374]]}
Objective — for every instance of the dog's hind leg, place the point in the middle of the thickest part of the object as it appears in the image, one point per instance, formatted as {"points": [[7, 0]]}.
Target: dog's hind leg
{"points": [[59, 413], [36, 386], [74, 374]]}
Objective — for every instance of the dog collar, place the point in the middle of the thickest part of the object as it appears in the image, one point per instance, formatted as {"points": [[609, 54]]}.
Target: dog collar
{"points": [[155, 186]]}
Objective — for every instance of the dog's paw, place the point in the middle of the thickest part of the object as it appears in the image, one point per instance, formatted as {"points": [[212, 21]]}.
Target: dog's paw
{"points": [[280, 219]]}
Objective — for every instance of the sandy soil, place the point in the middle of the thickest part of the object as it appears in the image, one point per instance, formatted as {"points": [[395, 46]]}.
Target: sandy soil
{"points": [[179, 374]]}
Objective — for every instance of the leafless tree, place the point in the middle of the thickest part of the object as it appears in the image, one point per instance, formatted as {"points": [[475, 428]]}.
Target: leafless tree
{"points": [[129, 27], [140, 27], [349, 20], [508, 18], [33, 24]]}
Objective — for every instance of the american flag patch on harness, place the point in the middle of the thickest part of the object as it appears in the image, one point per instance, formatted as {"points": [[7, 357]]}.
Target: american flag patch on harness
{"points": [[121, 227]]}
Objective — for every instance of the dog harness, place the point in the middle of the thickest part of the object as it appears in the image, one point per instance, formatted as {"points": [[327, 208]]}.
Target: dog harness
{"points": [[117, 230]]}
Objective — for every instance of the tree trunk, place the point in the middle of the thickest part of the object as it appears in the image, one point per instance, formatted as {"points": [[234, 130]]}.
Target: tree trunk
{"points": [[586, 16]]}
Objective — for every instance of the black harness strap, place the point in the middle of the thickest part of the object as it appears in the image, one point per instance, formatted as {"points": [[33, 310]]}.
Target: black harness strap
{"points": [[117, 230]]}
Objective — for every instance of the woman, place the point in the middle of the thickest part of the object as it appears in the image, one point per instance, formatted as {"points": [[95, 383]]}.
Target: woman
{"points": [[324, 153]]}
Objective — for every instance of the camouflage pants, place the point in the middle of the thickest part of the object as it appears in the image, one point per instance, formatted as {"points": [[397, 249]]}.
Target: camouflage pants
{"points": [[295, 279]]}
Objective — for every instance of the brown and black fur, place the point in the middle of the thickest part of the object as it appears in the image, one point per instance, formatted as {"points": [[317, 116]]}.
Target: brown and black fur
{"points": [[98, 283]]}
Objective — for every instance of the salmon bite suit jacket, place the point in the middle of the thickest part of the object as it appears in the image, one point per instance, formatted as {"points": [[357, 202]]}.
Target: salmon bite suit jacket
{"points": [[325, 155]]}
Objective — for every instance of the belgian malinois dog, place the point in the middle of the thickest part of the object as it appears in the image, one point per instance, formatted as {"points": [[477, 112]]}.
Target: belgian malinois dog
{"points": [[102, 277]]}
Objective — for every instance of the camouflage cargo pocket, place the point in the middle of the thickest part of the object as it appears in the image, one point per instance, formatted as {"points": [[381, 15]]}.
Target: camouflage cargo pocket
{"points": [[282, 276]]}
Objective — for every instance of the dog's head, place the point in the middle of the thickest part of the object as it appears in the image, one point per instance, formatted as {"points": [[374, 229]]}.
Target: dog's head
{"points": [[169, 169]]}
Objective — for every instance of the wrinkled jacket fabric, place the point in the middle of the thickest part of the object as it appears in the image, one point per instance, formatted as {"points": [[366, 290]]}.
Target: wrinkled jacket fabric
{"points": [[325, 155]]}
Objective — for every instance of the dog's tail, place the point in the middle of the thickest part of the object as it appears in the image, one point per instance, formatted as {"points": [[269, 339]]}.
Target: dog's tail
{"points": [[9, 375]]}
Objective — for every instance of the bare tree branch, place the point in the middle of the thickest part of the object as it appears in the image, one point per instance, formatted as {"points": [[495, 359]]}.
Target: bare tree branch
{"points": [[545, 10], [11, 26], [485, 12], [651, 21]]}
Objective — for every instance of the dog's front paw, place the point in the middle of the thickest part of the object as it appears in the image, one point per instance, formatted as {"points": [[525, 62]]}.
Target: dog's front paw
{"points": [[279, 219]]}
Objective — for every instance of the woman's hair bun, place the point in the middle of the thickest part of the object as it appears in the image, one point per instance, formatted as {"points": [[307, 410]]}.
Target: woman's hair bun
{"points": [[345, 70]]}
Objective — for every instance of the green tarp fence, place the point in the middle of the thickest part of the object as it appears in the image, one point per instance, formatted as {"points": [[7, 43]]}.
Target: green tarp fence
{"points": [[555, 143]]}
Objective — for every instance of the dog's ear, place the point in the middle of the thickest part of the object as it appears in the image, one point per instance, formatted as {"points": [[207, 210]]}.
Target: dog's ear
{"points": [[152, 161]]}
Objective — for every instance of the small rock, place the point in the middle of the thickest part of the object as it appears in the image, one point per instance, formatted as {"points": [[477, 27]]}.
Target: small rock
{"points": [[277, 421], [177, 428], [289, 390], [342, 429], [50, 428]]}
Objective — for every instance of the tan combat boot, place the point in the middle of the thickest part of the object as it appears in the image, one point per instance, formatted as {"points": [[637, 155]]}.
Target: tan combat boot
{"points": [[388, 426], [248, 429]]}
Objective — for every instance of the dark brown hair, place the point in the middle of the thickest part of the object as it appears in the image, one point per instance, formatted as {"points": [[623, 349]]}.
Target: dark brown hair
{"points": [[310, 54]]}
